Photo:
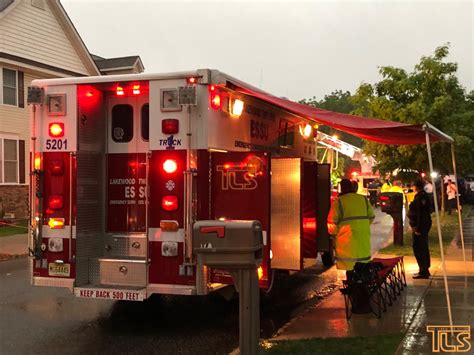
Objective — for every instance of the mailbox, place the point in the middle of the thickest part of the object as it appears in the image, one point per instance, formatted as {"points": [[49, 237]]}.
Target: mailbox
{"points": [[391, 202], [228, 244]]}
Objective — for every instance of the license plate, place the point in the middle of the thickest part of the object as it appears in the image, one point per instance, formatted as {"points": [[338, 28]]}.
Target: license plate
{"points": [[63, 270]]}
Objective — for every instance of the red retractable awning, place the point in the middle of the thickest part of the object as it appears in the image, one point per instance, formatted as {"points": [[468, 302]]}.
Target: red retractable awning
{"points": [[376, 130]]}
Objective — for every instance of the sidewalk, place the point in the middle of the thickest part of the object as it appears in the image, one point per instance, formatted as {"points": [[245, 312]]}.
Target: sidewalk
{"points": [[422, 303], [14, 245]]}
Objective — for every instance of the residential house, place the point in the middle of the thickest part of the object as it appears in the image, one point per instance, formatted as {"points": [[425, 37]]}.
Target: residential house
{"points": [[37, 41]]}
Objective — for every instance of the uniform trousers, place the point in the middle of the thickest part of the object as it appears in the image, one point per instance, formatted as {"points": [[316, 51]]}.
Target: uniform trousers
{"points": [[422, 252]]}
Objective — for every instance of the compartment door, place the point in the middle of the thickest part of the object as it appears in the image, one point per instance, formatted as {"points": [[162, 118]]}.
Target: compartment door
{"points": [[286, 226], [323, 204]]}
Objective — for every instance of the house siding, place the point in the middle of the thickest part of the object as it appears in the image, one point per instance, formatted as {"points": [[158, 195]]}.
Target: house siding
{"points": [[36, 34], [15, 122]]}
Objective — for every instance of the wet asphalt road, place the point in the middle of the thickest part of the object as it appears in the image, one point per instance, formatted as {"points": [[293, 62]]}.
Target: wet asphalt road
{"points": [[52, 321], [43, 320]]}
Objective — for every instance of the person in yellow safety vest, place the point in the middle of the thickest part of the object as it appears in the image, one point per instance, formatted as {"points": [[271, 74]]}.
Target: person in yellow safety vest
{"points": [[397, 187], [349, 221], [386, 186]]}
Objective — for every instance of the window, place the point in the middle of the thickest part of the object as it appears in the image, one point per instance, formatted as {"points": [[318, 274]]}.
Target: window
{"points": [[145, 122], [9, 87], [12, 161], [122, 123]]}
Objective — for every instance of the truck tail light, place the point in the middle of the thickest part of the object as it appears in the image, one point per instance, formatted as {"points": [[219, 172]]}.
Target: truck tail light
{"points": [[56, 129], [169, 226], [55, 202], [56, 167], [38, 162], [136, 89], [260, 272], [216, 100], [170, 126], [56, 223], [170, 166], [169, 203], [191, 80], [119, 91]]}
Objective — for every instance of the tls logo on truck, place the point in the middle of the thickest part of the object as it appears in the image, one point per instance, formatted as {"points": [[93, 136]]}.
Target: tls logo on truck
{"points": [[170, 142], [236, 178]]}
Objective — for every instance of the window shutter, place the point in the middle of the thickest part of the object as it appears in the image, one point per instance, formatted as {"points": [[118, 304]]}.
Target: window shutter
{"points": [[21, 91], [21, 162]]}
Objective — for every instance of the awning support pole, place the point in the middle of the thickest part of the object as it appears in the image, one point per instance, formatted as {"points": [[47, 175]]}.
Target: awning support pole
{"points": [[443, 263], [461, 233]]}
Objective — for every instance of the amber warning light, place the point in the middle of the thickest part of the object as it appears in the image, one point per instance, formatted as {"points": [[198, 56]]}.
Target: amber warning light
{"points": [[56, 129]]}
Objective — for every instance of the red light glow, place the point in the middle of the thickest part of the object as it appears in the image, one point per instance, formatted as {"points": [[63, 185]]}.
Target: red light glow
{"points": [[212, 88], [170, 126], [192, 80], [55, 202], [384, 198], [216, 101], [56, 167], [136, 89], [169, 203], [56, 129], [119, 91], [89, 94], [170, 166]]}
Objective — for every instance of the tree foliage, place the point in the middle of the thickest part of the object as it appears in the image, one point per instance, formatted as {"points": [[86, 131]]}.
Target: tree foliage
{"points": [[430, 93]]}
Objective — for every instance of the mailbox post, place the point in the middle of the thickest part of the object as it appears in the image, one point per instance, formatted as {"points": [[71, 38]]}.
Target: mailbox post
{"points": [[235, 246], [392, 204]]}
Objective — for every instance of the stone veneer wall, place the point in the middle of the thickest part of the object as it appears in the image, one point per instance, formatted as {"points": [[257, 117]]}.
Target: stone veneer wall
{"points": [[14, 199]]}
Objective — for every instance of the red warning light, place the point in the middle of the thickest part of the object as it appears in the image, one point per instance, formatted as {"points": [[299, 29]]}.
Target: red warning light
{"points": [[136, 89], [89, 94], [192, 80], [169, 203], [56, 167], [216, 100], [56, 129], [170, 126], [119, 91], [170, 166], [55, 202], [423, 175]]}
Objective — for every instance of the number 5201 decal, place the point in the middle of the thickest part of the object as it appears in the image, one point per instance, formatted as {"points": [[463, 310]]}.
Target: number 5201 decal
{"points": [[56, 144]]}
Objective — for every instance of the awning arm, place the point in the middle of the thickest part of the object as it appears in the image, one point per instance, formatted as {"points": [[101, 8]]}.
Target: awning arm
{"points": [[432, 130]]}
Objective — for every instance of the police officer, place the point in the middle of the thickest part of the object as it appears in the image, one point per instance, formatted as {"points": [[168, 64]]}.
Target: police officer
{"points": [[349, 221], [419, 215]]}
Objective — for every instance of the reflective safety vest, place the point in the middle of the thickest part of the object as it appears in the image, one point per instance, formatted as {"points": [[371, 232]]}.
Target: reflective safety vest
{"points": [[386, 187], [399, 190], [349, 220]]}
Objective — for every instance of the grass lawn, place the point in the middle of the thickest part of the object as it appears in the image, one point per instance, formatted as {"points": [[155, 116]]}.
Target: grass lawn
{"points": [[384, 344], [449, 229], [5, 231]]}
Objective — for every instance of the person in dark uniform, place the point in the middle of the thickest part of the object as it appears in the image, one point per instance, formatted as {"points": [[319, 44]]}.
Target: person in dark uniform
{"points": [[419, 215]]}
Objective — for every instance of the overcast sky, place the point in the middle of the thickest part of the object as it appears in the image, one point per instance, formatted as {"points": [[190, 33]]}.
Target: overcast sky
{"points": [[292, 49]]}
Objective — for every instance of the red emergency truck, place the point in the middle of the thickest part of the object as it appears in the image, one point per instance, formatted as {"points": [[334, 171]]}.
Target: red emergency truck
{"points": [[122, 166]]}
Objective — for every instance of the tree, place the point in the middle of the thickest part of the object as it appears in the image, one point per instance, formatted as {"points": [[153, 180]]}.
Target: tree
{"points": [[431, 93]]}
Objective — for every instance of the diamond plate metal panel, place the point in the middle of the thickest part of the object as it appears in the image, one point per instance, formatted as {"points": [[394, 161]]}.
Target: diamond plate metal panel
{"points": [[286, 213], [123, 272], [125, 245], [90, 182]]}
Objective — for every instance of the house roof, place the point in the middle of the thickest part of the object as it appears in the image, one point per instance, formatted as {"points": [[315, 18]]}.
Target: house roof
{"points": [[4, 4], [119, 63]]}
